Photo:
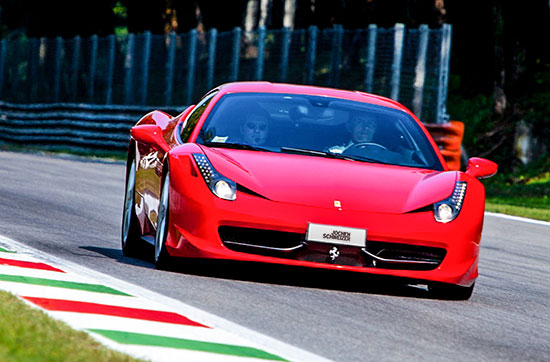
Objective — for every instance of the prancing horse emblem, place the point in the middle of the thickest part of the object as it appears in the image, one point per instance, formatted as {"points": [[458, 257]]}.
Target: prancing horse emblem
{"points": [[333, 253]]}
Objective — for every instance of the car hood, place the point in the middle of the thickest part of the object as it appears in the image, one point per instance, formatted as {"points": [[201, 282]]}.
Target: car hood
{"points": [[322, 182]]}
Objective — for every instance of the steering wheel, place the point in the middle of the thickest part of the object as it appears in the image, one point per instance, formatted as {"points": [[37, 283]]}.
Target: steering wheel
{"points": [[364, 145]]}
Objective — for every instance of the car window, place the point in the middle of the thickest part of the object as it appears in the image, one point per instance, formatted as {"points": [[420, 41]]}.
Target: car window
{"points": [[194, 116], [320, 126]]}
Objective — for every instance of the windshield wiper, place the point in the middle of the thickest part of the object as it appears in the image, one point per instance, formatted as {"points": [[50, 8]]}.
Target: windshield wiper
{"points": [[293, 150], [235, 146], [370, 160], [303, 151]]}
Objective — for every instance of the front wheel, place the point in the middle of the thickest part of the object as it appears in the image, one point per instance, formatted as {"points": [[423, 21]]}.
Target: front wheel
{"points": [[161, 255], [131, 242], [451, 291]]}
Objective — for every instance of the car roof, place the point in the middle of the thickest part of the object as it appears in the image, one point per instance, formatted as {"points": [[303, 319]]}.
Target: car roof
{"points": [[267, 87]]}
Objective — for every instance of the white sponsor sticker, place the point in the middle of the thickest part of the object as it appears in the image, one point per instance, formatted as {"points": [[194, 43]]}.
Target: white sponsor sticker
{"points": [[220, 139], [336, 235]]}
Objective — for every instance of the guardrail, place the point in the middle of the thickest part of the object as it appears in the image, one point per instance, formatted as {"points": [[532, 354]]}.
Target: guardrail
{"points": [[92, 128], [71, 126]]}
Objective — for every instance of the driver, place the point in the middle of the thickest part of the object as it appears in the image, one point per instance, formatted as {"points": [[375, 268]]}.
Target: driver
{"points": [[361, 129], [255, 129]]}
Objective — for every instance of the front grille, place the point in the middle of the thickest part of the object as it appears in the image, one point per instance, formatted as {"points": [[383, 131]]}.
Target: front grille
{"points": [[419, 257], [260, 241], [287, 245]]}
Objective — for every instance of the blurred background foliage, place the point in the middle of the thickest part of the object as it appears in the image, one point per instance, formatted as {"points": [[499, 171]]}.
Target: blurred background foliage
{"points": [[500, 63]]}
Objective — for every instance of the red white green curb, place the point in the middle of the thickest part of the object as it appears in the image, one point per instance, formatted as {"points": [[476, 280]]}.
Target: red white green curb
{"points": [[129, 318]]}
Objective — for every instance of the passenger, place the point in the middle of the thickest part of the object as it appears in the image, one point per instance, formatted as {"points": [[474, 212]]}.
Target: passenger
{"points": [[255, 129]]}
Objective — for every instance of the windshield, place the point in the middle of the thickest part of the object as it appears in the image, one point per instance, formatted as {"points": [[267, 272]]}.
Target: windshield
{"points": [[317, 126]]}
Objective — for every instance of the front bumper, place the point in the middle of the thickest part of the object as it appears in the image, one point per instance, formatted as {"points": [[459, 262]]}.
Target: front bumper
{"points": [[197, 219]]}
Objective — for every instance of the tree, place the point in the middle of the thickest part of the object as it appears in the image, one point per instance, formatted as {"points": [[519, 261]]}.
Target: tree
{"points": [[146, 16], [497, 54], [43, 19], [222, 15], [186, 15]]}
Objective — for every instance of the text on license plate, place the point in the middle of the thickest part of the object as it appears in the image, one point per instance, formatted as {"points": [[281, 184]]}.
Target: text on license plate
{"points": [[336, 235]]}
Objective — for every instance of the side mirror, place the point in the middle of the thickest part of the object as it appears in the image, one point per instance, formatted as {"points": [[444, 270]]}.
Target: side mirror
{"points": [[481, 168], [150, 134]]}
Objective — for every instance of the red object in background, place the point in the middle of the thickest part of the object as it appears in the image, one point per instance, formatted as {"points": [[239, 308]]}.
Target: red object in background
{"points": [[389, 206], [448, 136]]}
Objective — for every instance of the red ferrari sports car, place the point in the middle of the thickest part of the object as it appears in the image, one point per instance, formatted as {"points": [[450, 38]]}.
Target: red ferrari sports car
{"points": [[304, 176]]}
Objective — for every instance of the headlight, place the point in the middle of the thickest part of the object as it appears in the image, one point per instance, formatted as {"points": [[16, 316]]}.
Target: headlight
{"points": [[447, 210], [220, 185]]}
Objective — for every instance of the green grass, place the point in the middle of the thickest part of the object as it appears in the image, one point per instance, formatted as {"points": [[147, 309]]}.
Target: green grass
{"points": [[525, 192], [29, 334], [523, 211]]}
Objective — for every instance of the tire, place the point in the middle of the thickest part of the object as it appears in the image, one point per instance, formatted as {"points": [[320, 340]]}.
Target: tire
{"points": [[451, 291], [131, 242], [161, 256]]}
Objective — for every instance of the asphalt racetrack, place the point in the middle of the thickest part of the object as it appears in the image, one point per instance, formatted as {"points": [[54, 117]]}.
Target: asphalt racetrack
{"points": [[71, 208]]}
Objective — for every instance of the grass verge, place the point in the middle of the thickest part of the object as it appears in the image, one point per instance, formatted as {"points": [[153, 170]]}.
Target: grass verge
{"points": [[29, 334], [525, 192], [529, 212]]}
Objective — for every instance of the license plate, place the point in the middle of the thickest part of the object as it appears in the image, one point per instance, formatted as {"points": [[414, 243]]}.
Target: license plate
{"points": [[336, 235]]}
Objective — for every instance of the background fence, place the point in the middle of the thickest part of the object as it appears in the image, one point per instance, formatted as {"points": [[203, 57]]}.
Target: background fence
{"points": [[119, 76]]}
